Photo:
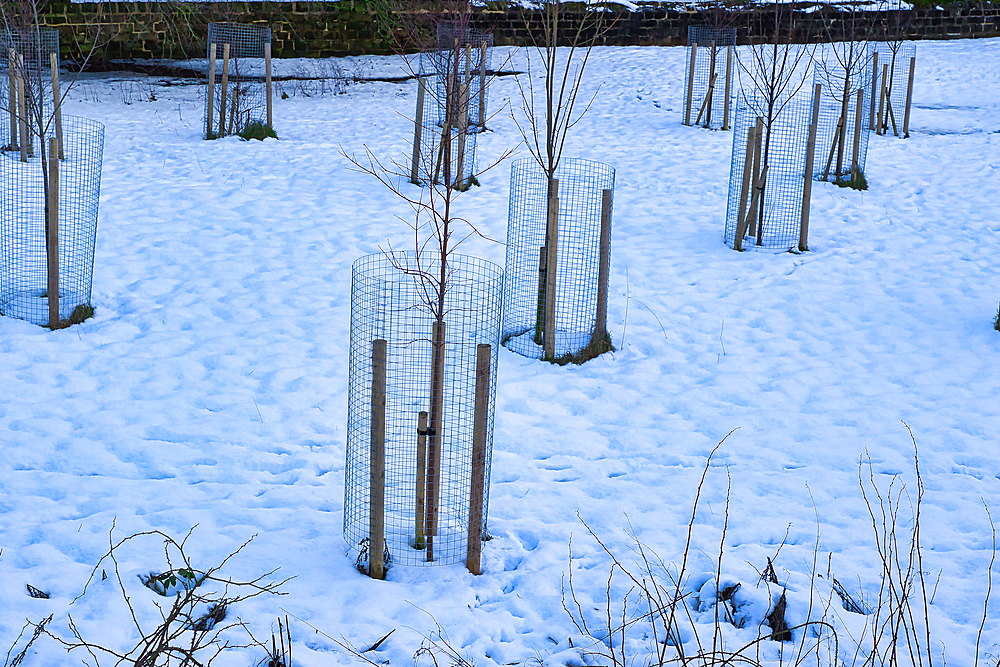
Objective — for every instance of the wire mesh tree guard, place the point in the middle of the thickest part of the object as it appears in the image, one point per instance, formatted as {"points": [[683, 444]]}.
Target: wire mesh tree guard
{"points": [[558, 260], [419, 443], [842, 78], [709, 76], [29, 76], [48, 224], [894, 64], [239, 87], [451, 108], [770, 180]]}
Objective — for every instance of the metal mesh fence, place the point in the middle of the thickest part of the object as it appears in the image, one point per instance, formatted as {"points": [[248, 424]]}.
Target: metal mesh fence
{"points": [[469, 55], [27, 54], [577, 302], [237, 90], [436, 476], [768, 173], [843, 71], [709, 76], [892, 81], [33, 252]]}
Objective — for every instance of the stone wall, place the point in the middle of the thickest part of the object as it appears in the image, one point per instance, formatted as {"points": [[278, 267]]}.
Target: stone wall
{"points": [[137, 30]]}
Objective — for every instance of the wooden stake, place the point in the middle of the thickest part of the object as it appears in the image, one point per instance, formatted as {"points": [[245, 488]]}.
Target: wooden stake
{"points": [[482, 85], [729, 78], [758, 144], [909, 98], [57, 103], [211, 91], [463, 118], [52, 235], [711, 86], [417, 128], [12, 94], [687, 106], [551, 247], [842, 127], [745, 189], [603, 269], [225, 90], [757, 205], [891, 114], [434, 427], [542, 291], [477, 486], [810, 152], [421, 478], [871, 87], [706, 103], [376, 502], [22, 113], [267, 82], [856, 150], [833, 149], [880, 126]]}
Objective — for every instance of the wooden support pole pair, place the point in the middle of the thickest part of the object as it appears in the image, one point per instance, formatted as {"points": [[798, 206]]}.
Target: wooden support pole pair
{"points": [[706, 105], [52, 236], [418, 126], [210, 110], [810, 152], [754, 179], [603, 268]]}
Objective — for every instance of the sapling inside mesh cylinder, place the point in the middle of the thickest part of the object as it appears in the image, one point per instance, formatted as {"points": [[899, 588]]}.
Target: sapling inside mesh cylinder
{"points": [[237, 92], [893, 70], [470, 52], [708, 76], [767, 177], [843, 72], [29, 68], [558, 254], [48, 224], [422, 463]]}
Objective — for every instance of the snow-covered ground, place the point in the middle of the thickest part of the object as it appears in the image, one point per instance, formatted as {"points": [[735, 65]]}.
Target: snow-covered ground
{"points": [[210, 387]]}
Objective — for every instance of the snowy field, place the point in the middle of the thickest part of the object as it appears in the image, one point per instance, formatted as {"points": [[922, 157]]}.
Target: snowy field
{"points": [[210, 387]]}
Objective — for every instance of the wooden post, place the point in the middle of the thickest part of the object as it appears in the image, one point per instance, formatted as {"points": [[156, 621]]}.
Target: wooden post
{"points": [[211, 91], [225, 90], [757, 205], [687, 105], [706, 103], [417, 128], [463, 118], [856, 150], [13, 98], [711, 86], [542, 291], [871, 87], [22, 113], [729, 78], [909, 98], [744, 189], [842, 128], [758, 143], [810, 152], [603, 269], [551, 247], [434, 427], [52, 236], [376, 502], [477, 485], [482, 85], [421, 478], [879, 125], [833, 149], [267, 82], [57, 103]]}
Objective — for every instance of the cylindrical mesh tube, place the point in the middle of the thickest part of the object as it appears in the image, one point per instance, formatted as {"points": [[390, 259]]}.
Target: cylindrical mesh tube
{"points": [[581, 187], [35, 47], [711, 55], [24, 207], [776, 220], [239, 97], [389, 302], [475, 56], [897, 56], [843, 71]]}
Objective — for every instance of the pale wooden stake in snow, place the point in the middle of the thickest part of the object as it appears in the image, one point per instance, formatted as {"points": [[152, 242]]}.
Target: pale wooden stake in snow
{"points": [[687, 106], [810, 152], [22, 112], [477, 485], [856, 150], [12, 102], [744, 189], [211, 91], [225, 90], [267, 82], [729, 77], [482, 85], [376, 488], [603, 268], [758, 144], [463, 118], [57, 103], [879, 127], [909, 98], [417, 127], [871, 87], [551, 247], [434, 427], [706, 103], [711, 86], [421, 475], [52, 235]]}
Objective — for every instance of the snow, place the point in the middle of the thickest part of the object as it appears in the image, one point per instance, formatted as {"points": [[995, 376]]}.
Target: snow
{"points": [[210, 387]]}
